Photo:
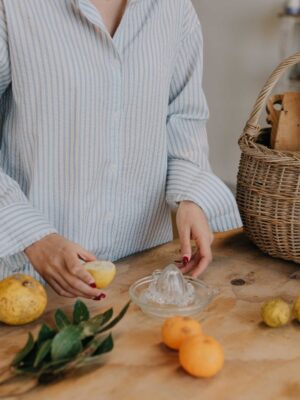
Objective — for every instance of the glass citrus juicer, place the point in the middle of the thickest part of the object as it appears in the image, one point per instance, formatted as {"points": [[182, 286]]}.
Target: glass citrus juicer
{"points": [[168, 292]]}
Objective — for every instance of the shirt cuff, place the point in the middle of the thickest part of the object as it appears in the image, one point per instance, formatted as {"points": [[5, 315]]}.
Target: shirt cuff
{"points": [[21, 225], [187, 182]]}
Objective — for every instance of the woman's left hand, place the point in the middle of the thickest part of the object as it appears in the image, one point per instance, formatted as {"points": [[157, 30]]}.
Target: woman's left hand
{"points": [[192, 224]]}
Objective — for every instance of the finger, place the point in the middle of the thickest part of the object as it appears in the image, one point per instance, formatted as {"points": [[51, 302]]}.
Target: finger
{"points": [[201, 267], [85, 255], [84, 289], [181, 262], [78, 270], [185, 244], [69, 284], [58, 289], [61, 280], [191, 265], [205, 257]]}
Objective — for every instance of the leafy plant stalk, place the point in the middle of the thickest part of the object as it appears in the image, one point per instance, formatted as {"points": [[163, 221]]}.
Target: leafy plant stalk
{"points": [[69, 345]]}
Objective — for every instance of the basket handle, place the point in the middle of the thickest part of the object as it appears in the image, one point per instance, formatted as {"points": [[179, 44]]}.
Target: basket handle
{"points": [[252, 127]]}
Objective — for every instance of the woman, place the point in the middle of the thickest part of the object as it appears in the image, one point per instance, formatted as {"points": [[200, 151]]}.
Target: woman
{"points": [[102, 133]]}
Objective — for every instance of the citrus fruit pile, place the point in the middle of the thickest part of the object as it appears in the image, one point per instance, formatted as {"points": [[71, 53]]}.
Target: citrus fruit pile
{"points": [[200, 355], [276, 312]]}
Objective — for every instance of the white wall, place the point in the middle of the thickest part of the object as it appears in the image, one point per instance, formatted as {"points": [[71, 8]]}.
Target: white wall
{"points": [[241, 49]]}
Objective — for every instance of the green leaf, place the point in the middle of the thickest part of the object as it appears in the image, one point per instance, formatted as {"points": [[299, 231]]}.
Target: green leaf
{"points": [[92, 354], [96, 345], [24, 351], [88, 329], [115, 320], [61, 319], [45, 333], [42, 353], [90, 348], [80, 312], [26, 370], [101, 319], [105, 346], [66, 343], [85, 341]]}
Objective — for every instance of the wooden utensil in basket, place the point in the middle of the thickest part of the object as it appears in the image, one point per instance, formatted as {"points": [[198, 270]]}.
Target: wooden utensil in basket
{"points": [[284, 116], [268, 186]]}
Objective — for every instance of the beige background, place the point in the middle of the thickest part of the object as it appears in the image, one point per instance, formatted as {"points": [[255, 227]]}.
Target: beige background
{"points": [[241, 49]]}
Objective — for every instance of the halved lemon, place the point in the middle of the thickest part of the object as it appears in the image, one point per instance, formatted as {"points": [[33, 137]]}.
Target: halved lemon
{"points": [[102, 271]]}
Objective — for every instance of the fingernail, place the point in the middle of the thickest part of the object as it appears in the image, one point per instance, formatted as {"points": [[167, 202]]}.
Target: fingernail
{"points": [[100, 296], [93, 285], [185, 260]]}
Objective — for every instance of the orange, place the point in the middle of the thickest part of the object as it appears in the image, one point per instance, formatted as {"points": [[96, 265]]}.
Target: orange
{"points": [[176, 329], [201, 356]]}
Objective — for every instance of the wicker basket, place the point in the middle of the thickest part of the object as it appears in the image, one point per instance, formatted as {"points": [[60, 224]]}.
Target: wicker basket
{"points": [[268, 189]]}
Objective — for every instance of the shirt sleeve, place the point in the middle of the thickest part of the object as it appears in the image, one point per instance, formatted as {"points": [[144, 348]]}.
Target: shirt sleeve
{"points": [[189, 173], [20, 223]]}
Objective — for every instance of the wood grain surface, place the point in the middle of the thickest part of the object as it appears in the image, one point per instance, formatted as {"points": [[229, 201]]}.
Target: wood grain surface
{"points": [[261, 363]]}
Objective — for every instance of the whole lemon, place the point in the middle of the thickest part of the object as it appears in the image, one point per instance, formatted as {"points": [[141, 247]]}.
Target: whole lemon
{"points": [[22, 299], [201, 356], [296, 308], [176, 329], [275, 313], [102, 271]]}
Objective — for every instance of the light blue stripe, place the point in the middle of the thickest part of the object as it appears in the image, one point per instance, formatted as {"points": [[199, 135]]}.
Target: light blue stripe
{"points": [[102, 136]]}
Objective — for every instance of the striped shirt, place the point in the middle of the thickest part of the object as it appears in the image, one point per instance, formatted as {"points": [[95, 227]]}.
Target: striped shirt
{"points": [[101, 136]]}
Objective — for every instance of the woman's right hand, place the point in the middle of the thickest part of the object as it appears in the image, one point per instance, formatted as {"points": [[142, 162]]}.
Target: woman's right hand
{"points": [[57, 260]]}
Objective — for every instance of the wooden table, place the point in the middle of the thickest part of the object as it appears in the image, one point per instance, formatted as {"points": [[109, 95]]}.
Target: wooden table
{"points": [[261, 363]]}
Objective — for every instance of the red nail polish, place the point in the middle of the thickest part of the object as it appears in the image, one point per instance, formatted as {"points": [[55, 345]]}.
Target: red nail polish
{"points": [[185, 260], [100, 297], [93, 285]]}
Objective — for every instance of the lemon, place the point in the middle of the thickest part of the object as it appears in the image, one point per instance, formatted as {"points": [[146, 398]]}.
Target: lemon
{"points": [[296, 308], [275, 313], [22, 299], [102, 271]]}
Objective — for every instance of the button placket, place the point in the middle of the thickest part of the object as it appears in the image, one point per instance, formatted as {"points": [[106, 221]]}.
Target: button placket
{"points": [[116, 128]]}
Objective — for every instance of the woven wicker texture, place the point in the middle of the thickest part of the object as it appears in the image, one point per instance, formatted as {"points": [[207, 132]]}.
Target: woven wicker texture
{"points": [[268, 187]]}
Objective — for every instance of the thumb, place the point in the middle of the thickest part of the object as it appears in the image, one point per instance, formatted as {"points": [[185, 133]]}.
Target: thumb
{"points": [[185, 244], [85, 255]]}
